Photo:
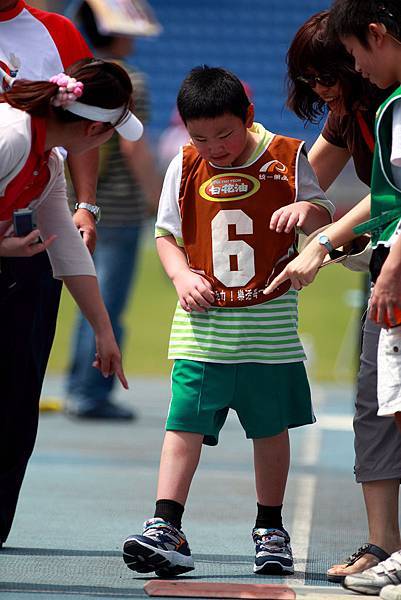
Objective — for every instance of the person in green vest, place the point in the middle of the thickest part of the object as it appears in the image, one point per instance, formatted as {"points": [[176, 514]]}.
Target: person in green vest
{"points": [[370, 30]]}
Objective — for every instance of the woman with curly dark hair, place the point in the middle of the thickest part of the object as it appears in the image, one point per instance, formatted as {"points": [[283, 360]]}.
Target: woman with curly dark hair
{"points": [[322, 83]]}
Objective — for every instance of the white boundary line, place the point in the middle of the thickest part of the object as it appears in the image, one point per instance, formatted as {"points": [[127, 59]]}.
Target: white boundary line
{"points": [[305, 489]]}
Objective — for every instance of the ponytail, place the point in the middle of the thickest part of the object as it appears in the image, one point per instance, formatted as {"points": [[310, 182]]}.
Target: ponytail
{"points": [[104, 84], [34, 97]]}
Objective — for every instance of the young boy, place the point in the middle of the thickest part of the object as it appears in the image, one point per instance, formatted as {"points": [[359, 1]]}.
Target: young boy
{"points": [[228, 210]]}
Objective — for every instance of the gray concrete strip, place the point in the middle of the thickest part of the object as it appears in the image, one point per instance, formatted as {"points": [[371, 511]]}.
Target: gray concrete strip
{"points": [[91, 484]]}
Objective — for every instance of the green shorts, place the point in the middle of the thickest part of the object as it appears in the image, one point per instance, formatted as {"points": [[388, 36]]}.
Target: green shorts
{"points": [[267, 398]]}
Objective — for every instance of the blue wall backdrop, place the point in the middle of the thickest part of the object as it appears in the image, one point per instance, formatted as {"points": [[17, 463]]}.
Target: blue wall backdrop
{"points": [[249, 37]]}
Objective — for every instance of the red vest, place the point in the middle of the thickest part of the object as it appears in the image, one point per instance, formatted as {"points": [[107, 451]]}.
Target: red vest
{"points": [[225, 221], [33, 178]]}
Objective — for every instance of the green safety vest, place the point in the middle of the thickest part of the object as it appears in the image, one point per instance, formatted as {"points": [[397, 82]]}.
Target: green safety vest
{"points": [[385, 196]]}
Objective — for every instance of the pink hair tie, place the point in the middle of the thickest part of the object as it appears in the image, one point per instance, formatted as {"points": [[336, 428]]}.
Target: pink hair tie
{"points": [[69, 89]]}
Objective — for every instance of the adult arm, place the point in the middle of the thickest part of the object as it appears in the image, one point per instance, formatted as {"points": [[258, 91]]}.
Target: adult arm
{"points": [[303, 269], [83, 170], [72, 262], [139, 159], [83, 167], [386, 295], [85, 291], [327, 160]]}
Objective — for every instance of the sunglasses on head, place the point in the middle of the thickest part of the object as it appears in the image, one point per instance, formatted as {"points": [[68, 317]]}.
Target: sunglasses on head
{"points": [[325, 79]]}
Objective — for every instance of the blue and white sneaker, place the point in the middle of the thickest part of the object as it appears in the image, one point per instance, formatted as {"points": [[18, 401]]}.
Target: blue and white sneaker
{"points": [[273, 554], [161, 548]]}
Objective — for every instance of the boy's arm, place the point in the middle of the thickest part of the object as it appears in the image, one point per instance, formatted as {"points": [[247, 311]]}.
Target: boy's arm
{"points": [[194, 291], [304, 215], [312, 208]]}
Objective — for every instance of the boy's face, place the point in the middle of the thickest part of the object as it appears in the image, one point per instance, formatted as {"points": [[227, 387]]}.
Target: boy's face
{"points": [[376, 61], [223, 140]]}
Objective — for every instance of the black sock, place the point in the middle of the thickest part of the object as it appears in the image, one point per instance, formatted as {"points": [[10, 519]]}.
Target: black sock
{"points": [[269, 517], [170, 511]]}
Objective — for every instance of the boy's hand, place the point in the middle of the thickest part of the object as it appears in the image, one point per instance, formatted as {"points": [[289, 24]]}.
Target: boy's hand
{"points": [[194, 291], [25, 246], [286, 218]]}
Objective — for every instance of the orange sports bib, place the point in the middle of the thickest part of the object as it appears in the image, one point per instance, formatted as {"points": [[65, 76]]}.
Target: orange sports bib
{"points": [[225, 221]]}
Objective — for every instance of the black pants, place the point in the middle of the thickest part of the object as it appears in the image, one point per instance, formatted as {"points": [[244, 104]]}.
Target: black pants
{"points": [[29, 300]]}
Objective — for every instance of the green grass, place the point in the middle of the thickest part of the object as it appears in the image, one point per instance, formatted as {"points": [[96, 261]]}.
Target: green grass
{"points": [[327, 324]]}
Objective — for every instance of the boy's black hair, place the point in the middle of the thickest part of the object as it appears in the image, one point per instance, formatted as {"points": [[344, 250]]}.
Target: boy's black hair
{"points": [[352, 17], [210, 92]]}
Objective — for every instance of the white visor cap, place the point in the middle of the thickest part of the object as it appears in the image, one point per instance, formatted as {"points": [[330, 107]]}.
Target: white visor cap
{"points": [[130, 128]]}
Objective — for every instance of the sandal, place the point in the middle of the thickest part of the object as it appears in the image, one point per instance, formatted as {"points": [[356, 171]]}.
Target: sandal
{"points": [[376, 551]]}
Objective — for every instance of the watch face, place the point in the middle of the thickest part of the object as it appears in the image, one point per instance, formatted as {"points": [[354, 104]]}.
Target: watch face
{"points": [[323, 239]]}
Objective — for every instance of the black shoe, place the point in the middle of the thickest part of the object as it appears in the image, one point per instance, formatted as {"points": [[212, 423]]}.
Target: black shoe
{"points": [[161, 548], [106, 411], [273, 554]]}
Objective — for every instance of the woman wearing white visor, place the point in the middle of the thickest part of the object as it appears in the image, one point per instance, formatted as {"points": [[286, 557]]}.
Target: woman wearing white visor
{"points": [[76, 110]]}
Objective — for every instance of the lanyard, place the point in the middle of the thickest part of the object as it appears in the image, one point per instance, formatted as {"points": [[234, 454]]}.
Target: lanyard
{"points": [[366, 132], [377, 222]]}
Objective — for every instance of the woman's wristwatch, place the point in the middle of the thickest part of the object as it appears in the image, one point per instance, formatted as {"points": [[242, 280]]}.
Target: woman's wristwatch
{"points": [[324, 241], [92, 208]]}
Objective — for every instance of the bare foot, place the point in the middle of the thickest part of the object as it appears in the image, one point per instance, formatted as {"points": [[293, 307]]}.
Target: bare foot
{"points": [[361, 564]]}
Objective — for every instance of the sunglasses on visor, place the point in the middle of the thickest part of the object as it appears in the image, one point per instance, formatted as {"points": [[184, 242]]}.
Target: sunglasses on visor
{"points": [[325, 79]]}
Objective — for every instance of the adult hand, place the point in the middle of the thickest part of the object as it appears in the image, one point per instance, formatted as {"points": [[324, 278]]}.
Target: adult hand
{"points": [[302, 270], [24, 246], [108, 358], [385, 301], [194, 291], [85, 223], [290, 216]]}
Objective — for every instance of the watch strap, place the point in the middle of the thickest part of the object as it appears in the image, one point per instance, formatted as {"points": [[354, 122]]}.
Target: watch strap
{"points": [[324, 241], [92, 208]]}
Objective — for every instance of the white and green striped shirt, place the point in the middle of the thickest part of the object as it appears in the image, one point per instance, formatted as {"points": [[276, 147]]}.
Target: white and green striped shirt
{"points": [[264, 333]]}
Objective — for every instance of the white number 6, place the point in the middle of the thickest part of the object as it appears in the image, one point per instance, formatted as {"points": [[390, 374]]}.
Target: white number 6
{"points": [[223, 248]]}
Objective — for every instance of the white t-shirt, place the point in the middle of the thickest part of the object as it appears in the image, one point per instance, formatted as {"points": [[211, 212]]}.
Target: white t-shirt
{"points": [[36, 44]]}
